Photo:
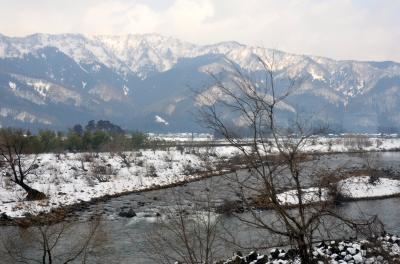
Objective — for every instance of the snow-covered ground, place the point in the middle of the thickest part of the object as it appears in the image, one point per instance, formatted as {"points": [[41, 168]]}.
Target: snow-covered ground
{"points": [[355, 143], [310, 195], [71, 178], [182, 136], [359, 187], [334, 143], [354, 188]]}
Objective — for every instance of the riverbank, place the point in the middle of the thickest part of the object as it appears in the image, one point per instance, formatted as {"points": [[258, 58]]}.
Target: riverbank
{"points": [[73, 180], [382, 249], [361, 188]]}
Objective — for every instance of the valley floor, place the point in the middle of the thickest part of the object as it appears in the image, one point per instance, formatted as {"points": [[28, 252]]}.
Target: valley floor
{"points": [[70, 178]]}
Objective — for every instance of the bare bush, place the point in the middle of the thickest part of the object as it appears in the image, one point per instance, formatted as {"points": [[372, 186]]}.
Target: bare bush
{"points": [[180, 148], [357, 141], [151, 171], [87, 157], [102, 173], [168, 158], [188, 169], [187, 234], [140, 163], [371, 163], [125, 159], [47, 244]]}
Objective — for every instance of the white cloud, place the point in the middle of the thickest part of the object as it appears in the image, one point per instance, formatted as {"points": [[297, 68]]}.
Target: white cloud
{"points": [[114, 17], [343, 29]]}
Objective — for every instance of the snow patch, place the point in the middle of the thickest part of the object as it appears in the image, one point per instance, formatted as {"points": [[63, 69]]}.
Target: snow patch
{"points": [[12, 85], [359, 187], [126, 90], [316, 75], [30, 118], [96, 68], [5, 112], [40, 86], [161, 120], [353, 187]]}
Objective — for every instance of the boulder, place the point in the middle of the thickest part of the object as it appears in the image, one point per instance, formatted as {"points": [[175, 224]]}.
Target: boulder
{"points": [[128, 214], [4, 216]]}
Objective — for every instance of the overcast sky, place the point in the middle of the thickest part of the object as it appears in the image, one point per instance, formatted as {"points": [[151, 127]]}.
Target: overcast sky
{"points": [[340, 29]]}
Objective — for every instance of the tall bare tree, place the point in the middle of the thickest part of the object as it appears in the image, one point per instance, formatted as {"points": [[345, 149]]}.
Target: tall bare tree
{"points": [[187, 234], [51, 243], [256, 105], [19, 166]]}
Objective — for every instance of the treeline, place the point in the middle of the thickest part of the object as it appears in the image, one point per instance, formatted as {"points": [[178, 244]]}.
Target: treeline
{"points": [[100, 136]]}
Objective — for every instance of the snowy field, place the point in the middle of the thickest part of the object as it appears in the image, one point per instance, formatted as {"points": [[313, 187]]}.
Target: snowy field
{"points": [[333, 143], [71, 178], [179, 137], [357, 187]]}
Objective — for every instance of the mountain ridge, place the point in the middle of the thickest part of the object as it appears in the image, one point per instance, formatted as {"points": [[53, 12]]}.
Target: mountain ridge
{"points": [[112, 75]]}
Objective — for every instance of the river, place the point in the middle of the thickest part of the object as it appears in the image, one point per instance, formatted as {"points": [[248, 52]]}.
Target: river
{"points": [[126, 240]]}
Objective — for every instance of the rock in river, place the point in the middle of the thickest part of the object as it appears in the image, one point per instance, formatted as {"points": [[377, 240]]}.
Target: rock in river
{"points": [[129, 214]]}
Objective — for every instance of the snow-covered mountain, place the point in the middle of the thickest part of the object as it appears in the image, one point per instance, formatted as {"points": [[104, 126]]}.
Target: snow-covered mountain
{"points": [[135, 80]]}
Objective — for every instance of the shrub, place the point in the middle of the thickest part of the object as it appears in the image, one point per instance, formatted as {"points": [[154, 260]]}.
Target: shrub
{"points": [[125, 159], [102, 177], [373, 179], [167, 158], [336, 194], [151, 171], [140, 163], [102, 173], [188, 169], [180, 148], [87, 157]]}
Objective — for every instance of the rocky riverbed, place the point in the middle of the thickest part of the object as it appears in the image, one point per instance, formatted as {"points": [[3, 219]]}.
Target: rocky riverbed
{"points": [[382, 249]]}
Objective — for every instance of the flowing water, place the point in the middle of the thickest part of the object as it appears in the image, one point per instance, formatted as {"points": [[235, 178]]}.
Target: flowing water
{"points": [[125, 240]]}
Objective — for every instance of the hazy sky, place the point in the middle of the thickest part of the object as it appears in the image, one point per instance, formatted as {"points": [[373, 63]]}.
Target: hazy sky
{"points": [[341, 29]]}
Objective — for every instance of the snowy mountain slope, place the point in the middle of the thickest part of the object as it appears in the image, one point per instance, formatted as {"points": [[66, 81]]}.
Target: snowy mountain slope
{"points": [[134, 78]]}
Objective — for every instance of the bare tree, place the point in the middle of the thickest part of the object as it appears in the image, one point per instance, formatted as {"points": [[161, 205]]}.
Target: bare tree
{"points": [[51, 243], [187, 234], [357, 142], [19, 167], [280, 181], [371, 162]]}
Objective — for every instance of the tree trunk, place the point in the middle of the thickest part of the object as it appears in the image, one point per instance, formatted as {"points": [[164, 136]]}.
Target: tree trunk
{"points": [[303, 251], [32, 194]]}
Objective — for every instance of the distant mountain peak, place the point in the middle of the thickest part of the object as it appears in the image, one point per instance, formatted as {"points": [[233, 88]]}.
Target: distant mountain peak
{"points": [[112, 74]]}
